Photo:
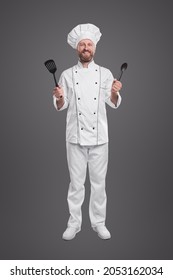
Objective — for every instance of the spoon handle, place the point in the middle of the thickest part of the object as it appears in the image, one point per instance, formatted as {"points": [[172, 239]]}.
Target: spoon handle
{"points": [[120, 76]]}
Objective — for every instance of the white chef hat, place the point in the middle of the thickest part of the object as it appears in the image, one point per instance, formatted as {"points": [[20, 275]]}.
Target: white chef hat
{"points": [[83, 31]]}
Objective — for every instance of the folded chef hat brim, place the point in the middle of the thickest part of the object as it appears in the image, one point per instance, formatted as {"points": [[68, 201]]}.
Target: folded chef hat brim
{"points": [[83, 31], [87, 35]]}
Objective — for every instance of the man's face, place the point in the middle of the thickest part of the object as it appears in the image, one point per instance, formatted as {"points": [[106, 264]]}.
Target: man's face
{"points": [[86, 50]]}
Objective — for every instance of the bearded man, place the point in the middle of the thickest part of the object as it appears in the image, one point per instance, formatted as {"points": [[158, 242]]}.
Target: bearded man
{"points": [[85, 89]]}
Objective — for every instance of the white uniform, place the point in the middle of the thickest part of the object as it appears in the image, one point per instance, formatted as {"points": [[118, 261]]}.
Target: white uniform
{"points": [[86, 90]]}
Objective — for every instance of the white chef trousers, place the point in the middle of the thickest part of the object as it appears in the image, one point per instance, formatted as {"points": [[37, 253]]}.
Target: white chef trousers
{"points": [[78, 158]]}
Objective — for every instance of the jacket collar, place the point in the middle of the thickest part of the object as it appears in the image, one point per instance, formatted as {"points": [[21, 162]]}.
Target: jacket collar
{"points": [[90, 65]]}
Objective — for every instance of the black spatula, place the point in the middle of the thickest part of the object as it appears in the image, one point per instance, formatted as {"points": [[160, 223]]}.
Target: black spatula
{"points": [[51, 66]]}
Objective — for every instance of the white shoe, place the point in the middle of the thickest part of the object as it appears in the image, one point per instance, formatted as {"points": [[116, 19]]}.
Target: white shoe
{"points": [[70, 233], [102, 231]]}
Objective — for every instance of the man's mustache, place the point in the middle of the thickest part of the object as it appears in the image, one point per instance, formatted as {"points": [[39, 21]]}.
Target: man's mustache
{"points": [[86, 51]]}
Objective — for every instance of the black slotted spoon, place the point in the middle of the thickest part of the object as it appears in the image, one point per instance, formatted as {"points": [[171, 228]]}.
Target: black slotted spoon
{"points": [[51, 66]]}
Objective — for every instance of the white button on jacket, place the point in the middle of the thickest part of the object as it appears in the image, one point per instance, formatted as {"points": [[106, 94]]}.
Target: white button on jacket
{"points": [[86, 90]]}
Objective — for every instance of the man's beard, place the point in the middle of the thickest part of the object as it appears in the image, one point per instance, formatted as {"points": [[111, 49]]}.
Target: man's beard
{"points": [[86, 58]]}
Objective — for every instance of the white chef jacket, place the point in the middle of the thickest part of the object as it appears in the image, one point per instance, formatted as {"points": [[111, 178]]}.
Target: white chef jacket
{"points": [[86, 90]]}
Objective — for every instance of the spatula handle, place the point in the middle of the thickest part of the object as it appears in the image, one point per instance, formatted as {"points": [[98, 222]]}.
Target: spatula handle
{"points": [[56, 84]]}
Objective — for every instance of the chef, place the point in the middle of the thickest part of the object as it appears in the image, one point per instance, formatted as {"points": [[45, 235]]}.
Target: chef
{"points": [[85, 89]]}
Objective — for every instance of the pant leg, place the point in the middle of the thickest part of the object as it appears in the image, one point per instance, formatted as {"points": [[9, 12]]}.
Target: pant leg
{"points": [[77, 164], [97, 163]]}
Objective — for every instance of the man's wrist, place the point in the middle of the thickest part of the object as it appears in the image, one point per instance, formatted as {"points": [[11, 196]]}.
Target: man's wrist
{"points": [[60, 102], [59, 98], [114, 97]]}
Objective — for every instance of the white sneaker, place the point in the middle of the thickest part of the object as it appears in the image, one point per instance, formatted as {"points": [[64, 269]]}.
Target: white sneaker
{"points": [[102, 231], [70, 233]]}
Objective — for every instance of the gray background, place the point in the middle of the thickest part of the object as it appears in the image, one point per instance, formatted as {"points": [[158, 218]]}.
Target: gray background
{"points": [[34, 174]]}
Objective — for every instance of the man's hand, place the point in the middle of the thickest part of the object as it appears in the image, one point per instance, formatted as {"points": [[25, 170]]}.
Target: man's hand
{"points": [[58, 93], [116, 87]]}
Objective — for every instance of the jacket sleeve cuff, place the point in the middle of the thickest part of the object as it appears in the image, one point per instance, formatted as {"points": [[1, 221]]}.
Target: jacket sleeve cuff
{"points": [[111, 104], [63, 107]]}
